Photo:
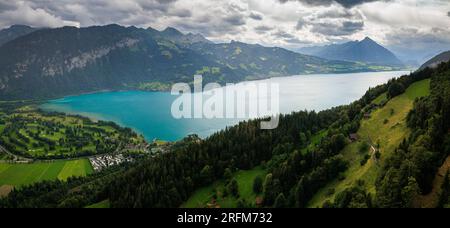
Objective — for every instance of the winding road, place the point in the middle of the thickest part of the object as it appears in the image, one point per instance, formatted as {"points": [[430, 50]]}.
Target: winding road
{"points": [[16, 158]]}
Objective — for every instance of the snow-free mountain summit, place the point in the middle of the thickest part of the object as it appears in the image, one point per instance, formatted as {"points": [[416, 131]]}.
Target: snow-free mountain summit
{"points": [[366, 50]]}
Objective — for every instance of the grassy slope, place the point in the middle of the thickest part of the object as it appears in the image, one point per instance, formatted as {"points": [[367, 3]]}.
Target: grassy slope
{"points": [[374, 130], [315, 140], [103, 204], [24, 174], [380, 99], [245, 179]]}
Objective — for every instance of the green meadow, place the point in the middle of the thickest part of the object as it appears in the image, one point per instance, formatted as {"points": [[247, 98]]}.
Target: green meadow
{"points": [[202, 197], [387, 128], [24, 174], [100, 205]]}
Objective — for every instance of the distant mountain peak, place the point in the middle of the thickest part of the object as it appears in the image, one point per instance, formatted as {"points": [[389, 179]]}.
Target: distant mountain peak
{"points": [[176, 36], [19, 26], [170, 31], [366, 50], [14, 32], [367, 39], [370, 41]]}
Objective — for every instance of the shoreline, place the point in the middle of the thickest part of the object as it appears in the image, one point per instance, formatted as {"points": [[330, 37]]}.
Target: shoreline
{"points": [[135, 89], [141, 129], [98, 117]]}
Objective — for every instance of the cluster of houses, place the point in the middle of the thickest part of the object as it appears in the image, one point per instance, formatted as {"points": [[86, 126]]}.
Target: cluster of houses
{"points": [[121, 156], [104, 161]]}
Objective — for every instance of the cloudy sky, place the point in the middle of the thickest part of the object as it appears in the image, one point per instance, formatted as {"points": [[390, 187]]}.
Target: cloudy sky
{"points": [[400, 24]]}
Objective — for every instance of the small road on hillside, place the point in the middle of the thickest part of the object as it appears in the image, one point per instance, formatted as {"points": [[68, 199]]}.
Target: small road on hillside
{"points": [[16, 158], [373, 149]]}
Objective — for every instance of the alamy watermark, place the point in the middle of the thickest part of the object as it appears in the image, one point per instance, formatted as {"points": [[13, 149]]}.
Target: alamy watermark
{"points": [[234, 101]]}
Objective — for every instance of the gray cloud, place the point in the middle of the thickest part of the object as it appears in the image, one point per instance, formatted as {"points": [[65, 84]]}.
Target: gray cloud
{"points": [[283, 35], [301, 24], [351, 27], [339, 13], [253, 21], [344, 3], [235, 20], [256, 16], [210, 25], [333, 22], [412, 44], [86, 12], [332, 29], [406, 37], [263, 29], [183, 13], [288, 38], [7, 6]]}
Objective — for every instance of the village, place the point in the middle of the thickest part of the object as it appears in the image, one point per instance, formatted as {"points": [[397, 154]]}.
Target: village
{"points": [[128, 154], [105, 161]]}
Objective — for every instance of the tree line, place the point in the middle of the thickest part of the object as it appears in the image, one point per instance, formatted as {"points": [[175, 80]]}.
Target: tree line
{"points": [[295, 175]]}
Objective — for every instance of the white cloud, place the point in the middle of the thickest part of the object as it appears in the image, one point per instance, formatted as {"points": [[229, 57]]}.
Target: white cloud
{"points": [[290, 24], [21, 12]]}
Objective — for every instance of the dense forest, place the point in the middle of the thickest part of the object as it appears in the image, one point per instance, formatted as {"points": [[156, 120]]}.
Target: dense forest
{"points": [[294, 175]]}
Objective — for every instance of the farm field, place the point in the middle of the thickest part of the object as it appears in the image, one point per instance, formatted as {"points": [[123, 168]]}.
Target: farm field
{"points": [[203, 196], [24, 174], [387, 128]]}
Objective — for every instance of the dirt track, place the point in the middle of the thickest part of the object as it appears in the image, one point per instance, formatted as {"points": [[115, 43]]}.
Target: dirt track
{"points": [[432, 199], [5, 190]]}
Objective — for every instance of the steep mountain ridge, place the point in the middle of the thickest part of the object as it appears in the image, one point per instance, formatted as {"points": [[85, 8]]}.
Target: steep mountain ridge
{"points": [[435, 61]]}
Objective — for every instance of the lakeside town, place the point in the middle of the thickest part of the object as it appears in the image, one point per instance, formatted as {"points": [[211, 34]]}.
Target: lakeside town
{"points": [[127, 154]]}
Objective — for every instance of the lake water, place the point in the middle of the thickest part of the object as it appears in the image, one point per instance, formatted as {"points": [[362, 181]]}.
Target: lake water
{"points": [[149, 113]]}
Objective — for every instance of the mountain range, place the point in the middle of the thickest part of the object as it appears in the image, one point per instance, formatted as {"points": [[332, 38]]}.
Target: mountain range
{"points": [[45, 63], [14, 32], [367, 51]]}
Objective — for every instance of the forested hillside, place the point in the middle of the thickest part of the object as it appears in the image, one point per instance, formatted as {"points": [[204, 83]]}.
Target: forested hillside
{"points": [[301, 157]]}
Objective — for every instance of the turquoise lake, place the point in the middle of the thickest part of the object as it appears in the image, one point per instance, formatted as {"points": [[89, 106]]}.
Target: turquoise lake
{"points": [[149, 113]]}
